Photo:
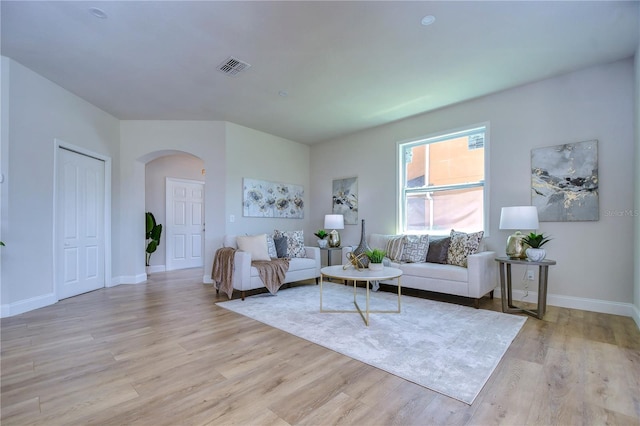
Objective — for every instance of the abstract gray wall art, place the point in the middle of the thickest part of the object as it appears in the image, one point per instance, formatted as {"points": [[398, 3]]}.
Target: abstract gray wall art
{"points": [[564, 182], [345, 199]]}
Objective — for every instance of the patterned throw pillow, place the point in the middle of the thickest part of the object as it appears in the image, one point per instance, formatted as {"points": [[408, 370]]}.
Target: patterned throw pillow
{"points": [[438, 249], [415, 248], [462, 245], [271, 246], [395, 247], [295, 242]]}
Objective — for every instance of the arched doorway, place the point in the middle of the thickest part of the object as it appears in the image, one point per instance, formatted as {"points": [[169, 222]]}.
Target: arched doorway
{"points": [[174, 194]]}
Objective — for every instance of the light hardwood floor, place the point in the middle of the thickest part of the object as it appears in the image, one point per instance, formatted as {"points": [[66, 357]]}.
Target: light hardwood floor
{"points": [[162, 353]]}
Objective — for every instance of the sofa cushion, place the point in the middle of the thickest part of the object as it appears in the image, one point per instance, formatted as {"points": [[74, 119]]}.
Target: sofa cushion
{"points": [[415, 248], [395, 247], [254, 244], [281, 247], [438, 249], [462, 245], [295, 242], [379, 241], [436, 271]]}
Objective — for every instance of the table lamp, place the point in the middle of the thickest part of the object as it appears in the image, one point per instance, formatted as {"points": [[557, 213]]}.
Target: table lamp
{"points": [[334, 221], [518, 218]]}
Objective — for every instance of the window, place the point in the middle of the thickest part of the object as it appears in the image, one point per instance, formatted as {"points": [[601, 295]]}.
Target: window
{"points": [[442, 183]]}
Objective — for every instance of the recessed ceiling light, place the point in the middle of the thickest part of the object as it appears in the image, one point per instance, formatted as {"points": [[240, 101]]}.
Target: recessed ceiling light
{"points": [[98, 13], [428, 20]]}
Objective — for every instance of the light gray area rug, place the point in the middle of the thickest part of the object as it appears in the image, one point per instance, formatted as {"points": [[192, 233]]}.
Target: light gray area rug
{"points": [[448, 348]]}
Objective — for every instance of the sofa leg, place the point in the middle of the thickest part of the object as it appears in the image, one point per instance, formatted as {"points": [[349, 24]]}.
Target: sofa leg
{"points": [[476, 303], [317, 281], [491, 294], [242, 295]]}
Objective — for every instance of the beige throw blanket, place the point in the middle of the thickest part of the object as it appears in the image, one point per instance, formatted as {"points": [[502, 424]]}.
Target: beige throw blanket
{"points": [[271, 272], [222, 272]]}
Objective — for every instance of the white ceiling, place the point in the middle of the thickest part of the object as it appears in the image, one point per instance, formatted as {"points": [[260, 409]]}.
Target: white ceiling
{"points": [[346, 66]]}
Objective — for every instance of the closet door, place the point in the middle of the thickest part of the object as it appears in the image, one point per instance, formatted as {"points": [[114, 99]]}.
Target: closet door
{"points": [[80, 239]]}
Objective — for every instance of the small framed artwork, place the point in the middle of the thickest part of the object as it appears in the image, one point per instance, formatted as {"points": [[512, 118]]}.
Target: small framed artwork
{"points": [[564, 182], [261, 198], [345, 199]]}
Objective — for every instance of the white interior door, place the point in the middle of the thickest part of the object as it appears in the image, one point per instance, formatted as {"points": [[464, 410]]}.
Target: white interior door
{"points": [[185, 224], [80, 239]]}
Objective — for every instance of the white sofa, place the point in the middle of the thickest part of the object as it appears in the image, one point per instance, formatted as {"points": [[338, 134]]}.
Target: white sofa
{"points": [[245, 276], [478, 279]]}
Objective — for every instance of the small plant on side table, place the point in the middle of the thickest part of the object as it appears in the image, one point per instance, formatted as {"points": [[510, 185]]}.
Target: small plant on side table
{"points": [[321, 234], [534, 240], [535, 252]]}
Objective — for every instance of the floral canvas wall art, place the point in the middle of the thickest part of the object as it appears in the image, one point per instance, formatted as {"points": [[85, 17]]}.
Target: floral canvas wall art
{"points": [[262, 198], [564, 182], [345, 199]]}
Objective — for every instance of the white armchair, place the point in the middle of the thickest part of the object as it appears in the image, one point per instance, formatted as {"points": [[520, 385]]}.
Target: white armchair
{"points": [[246, 277]]}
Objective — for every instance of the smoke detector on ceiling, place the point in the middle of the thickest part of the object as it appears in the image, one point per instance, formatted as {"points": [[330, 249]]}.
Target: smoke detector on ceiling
{"points": [[233, 66]]}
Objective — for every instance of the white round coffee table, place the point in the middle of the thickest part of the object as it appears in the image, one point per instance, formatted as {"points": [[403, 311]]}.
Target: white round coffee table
{"points": [[354, 275]]}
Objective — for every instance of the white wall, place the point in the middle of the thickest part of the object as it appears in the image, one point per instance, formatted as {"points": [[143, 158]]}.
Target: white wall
{"points": [[35, 113], [636, 255], [143, 141], [258, 155], [179, 166], [595, 259]]}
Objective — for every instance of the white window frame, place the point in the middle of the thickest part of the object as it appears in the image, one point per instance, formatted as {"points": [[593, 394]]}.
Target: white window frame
{"points": [[439, 137]]}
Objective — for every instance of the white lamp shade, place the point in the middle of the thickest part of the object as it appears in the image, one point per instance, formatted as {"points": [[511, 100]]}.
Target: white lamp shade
{"points": [[519, 217], [334, 221]]}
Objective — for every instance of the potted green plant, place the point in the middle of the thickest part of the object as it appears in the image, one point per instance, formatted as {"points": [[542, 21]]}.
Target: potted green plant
{"points": [[321, 234], [535, 252], [375, 259], [154, 230]]}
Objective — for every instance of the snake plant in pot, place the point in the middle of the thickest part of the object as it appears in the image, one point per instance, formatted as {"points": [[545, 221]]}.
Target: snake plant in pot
{"points": [[154, 230]]}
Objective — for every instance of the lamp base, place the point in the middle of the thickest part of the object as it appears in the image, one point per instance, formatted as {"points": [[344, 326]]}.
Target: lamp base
{"points": [[516, 248], [334, 239]]}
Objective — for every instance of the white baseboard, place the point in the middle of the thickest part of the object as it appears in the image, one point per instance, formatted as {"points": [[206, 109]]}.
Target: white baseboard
{"points": [[22, 306], [156, 268], [593, 305], [128, 279]]}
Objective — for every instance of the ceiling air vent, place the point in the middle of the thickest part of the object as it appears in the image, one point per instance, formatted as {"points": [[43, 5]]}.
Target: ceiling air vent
{"points": [[233, 66]]}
